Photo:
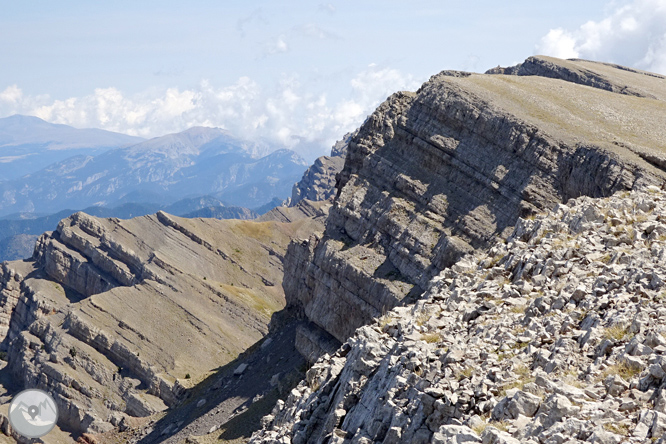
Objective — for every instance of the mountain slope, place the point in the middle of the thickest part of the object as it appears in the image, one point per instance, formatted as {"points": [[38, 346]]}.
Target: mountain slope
{"points": [[435, 174], [161, 171], [124, 312], [28, 144], [556, 335]]}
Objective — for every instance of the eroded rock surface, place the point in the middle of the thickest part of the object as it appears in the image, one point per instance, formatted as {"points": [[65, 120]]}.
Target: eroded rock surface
{"points": [[557, 334], [435, 174], [113, 317], [318, 182]]}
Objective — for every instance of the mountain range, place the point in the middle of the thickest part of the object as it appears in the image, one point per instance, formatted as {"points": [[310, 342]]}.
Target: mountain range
{"points": [[195, 162], [28, 144], [48, 171]]}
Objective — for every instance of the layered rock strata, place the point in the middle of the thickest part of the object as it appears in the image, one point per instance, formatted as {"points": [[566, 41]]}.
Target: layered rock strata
{"points": [[114, 317], [555, 335], [435, 174], [318, 182]]}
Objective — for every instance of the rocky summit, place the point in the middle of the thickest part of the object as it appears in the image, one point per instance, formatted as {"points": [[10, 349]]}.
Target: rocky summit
{"points": [[434, 174], [556, 334]]}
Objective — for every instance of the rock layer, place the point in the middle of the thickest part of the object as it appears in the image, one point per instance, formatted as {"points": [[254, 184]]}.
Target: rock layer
{"points": [[113, 317], [555, 335], [318, 182], [435, 174]]}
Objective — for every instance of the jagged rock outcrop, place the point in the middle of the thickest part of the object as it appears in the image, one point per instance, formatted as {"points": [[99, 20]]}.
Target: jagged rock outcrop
{"points": [[556, 334], [305, 209], [435, 174], [318, 182], [114, 317]]}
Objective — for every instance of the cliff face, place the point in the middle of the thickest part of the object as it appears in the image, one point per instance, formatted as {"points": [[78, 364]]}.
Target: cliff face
{"points": [[434, 174], [556, 335], [113, 317], [318, 182]]}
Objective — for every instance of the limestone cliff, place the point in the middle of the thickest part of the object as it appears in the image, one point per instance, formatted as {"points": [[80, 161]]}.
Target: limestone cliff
{"points": [[435, 174], [318, 182], [116, 318]]}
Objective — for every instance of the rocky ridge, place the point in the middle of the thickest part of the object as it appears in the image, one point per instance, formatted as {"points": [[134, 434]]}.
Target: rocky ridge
{"points": [[435, 174], [105, 314], [554, 335], [318, 182], [607, 76]]}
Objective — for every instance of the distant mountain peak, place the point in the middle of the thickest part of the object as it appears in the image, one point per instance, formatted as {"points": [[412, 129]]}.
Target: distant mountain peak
{"points": [[19, 129], [28, 144]]}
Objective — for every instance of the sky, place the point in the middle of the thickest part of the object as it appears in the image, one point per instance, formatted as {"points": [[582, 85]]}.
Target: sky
{"points": [[293, 73]]}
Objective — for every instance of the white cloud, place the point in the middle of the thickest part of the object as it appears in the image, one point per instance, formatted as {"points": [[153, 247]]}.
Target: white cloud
{"points": [[303, 117], [559, 43], [11, 94], [633, 34], [256, 17], [278, 46]]}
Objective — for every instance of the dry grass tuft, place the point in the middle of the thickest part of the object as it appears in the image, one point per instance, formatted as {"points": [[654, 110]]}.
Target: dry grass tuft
{"points": [[431, 338], [621, 369], [616, 332]]}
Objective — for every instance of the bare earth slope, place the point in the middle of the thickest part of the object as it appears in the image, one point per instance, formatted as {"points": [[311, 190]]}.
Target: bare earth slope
{"points": [[434, 174], [113, 316]]}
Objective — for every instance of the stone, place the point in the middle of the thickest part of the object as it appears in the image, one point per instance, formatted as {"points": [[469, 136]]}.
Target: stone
{"points": [[240, 369], [523, 403], [140, 404], [616, 385], [557, 407], [455, 434], [493, 436], [409, 380], [601, 436]]}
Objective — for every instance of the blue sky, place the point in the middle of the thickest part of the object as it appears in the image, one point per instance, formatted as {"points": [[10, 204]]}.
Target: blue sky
{"points": [[290, 72]]}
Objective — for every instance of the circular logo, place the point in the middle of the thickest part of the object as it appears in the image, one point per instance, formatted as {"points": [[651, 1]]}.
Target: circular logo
{"points": [[33, 413]]}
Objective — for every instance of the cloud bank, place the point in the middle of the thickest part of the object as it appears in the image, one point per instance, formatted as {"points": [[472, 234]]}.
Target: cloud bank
{"points": [[301, 117], [633, 34]]}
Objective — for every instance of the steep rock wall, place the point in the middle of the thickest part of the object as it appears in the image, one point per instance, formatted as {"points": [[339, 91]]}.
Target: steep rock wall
{"points": [[434, 174], [318, 182]]}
